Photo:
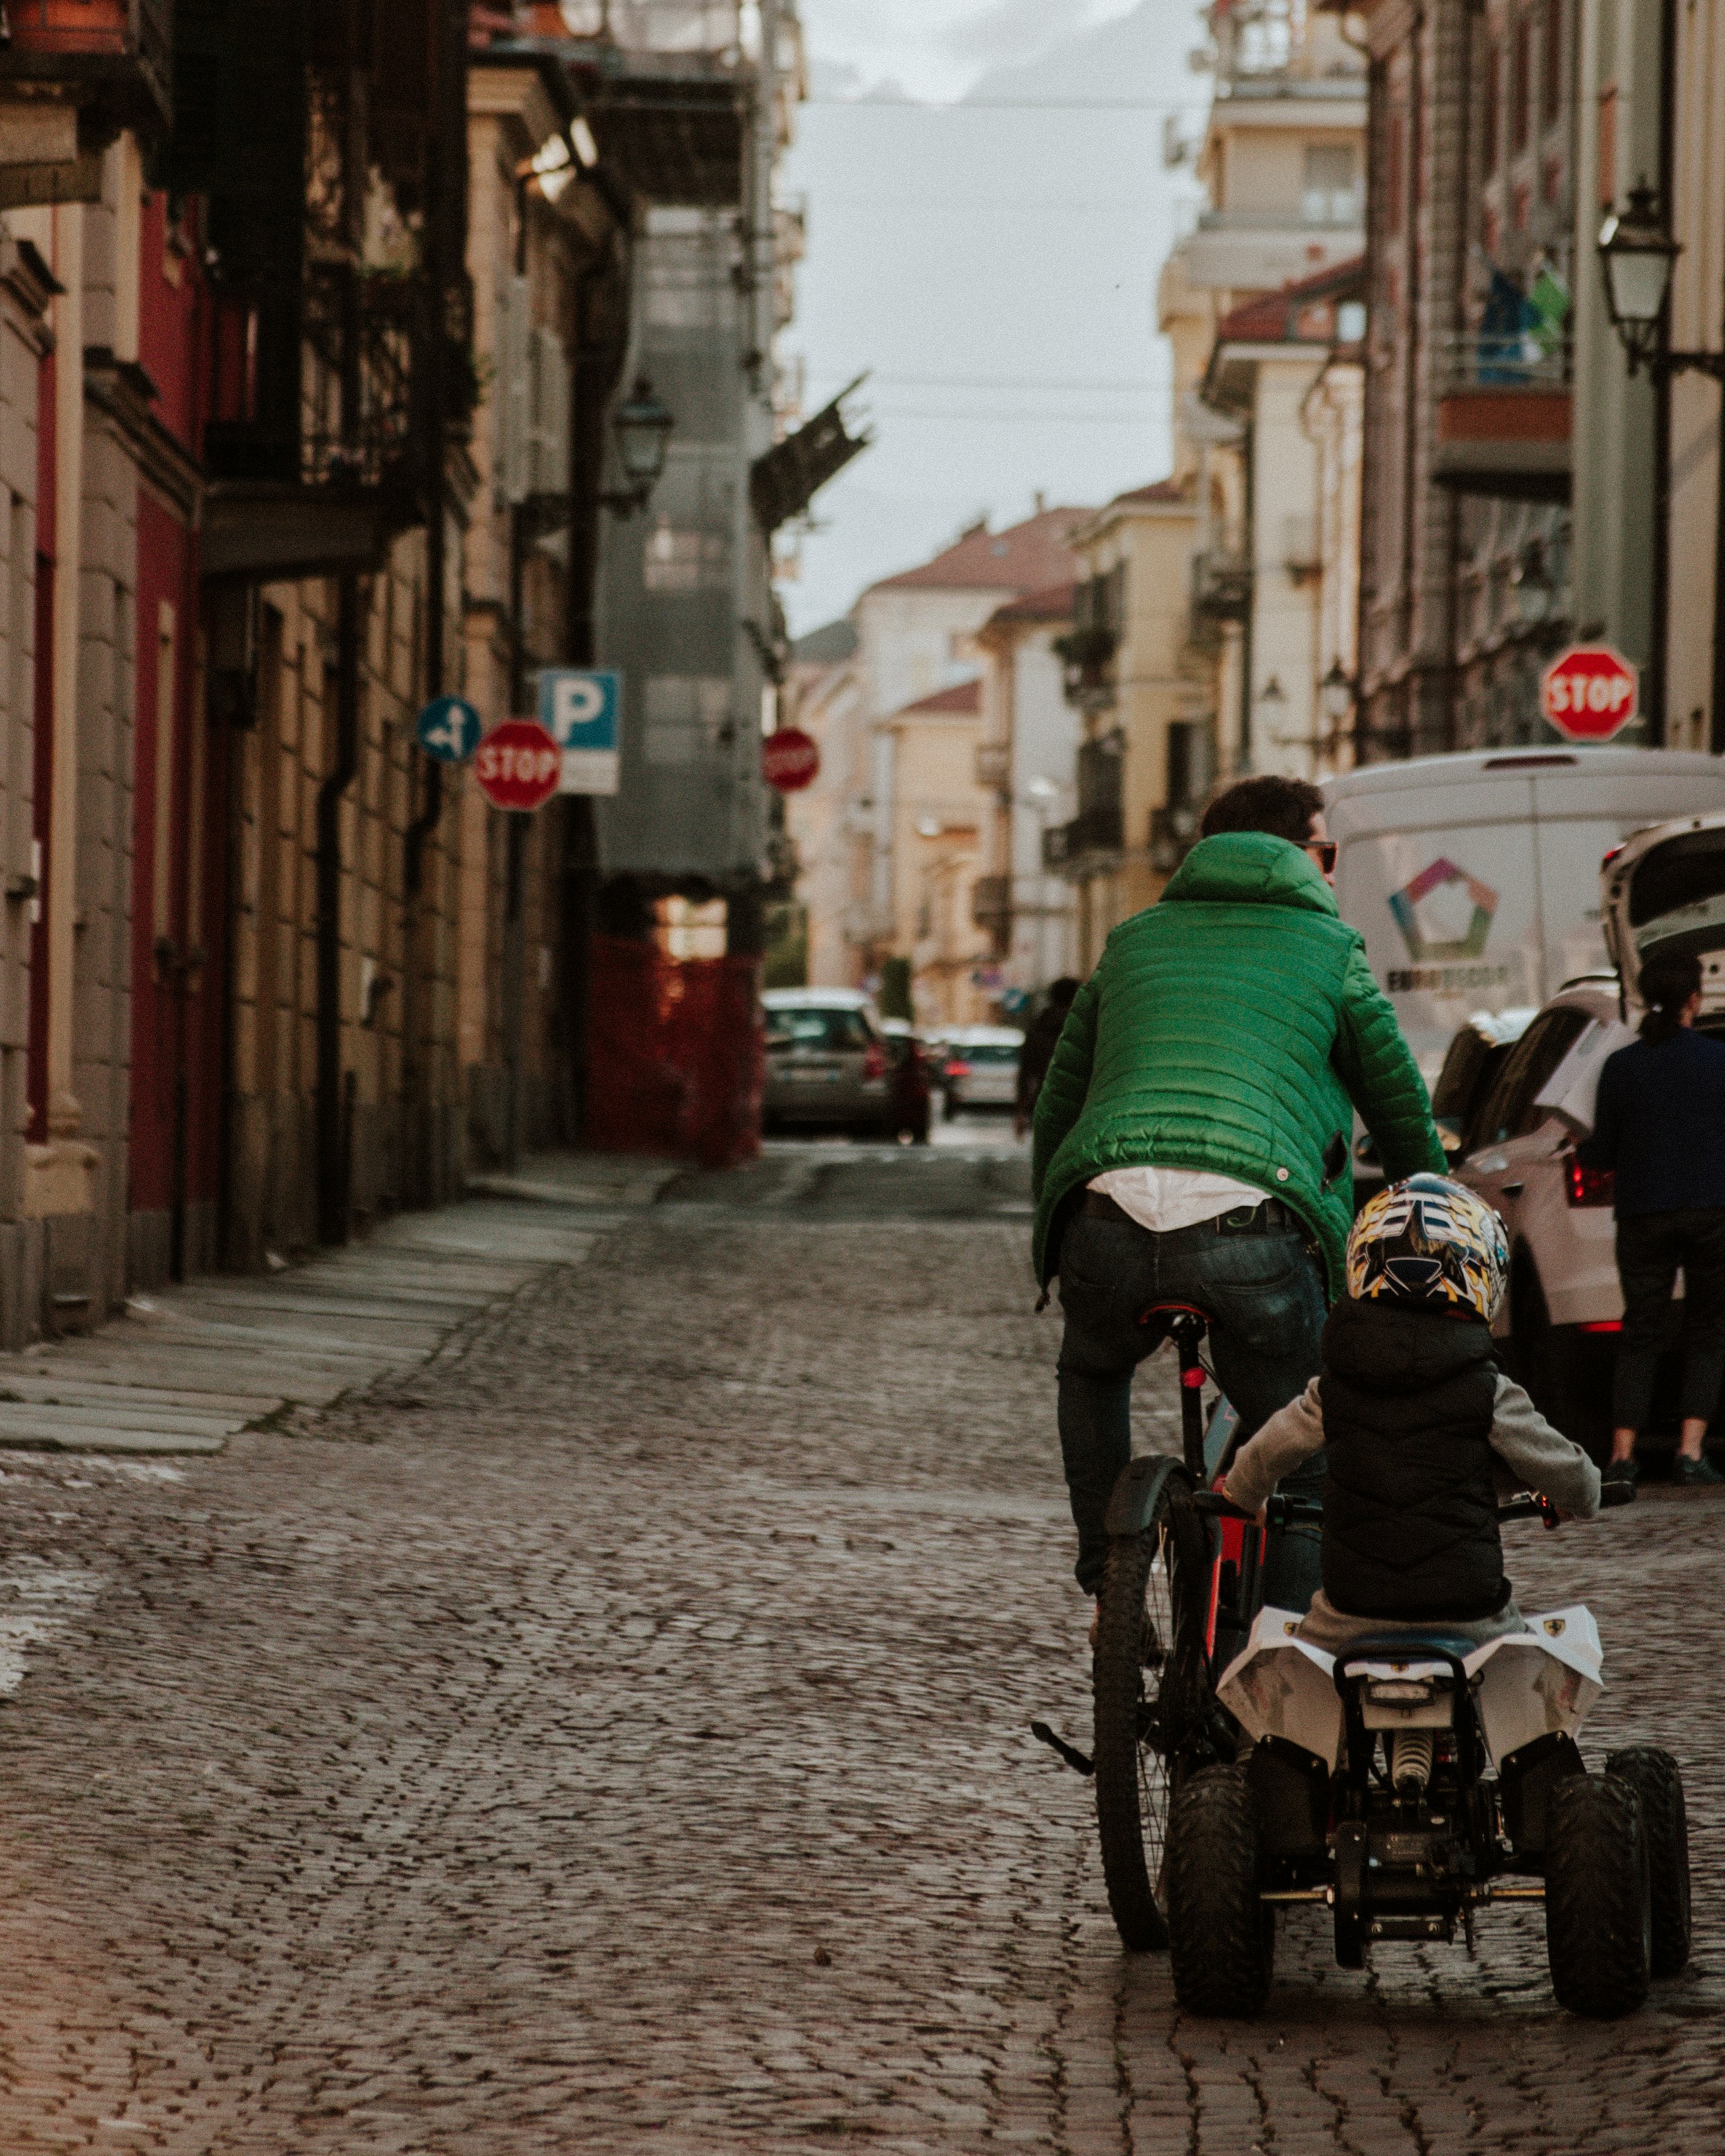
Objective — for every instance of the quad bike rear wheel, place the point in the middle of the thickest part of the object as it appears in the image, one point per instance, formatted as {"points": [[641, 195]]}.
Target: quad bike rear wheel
{"points": [[1657, 1780], [1221, 1931], [1148, 1685], [1599, 1903]]}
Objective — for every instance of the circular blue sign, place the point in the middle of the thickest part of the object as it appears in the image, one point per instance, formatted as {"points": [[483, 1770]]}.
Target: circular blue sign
{"points": [[449, 727]]}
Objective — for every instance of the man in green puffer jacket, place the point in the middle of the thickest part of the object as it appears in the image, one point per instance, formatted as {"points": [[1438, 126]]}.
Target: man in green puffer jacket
{"points": [[1191, 1138]]}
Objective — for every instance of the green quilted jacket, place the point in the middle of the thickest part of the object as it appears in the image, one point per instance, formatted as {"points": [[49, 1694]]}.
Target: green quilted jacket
{"points": [[1233, 1027]]}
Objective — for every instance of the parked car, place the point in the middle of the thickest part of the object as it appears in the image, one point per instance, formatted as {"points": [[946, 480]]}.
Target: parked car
{"points": [[828, 1063], [1471, 1065], [981, 1067], [1564, 1308]]}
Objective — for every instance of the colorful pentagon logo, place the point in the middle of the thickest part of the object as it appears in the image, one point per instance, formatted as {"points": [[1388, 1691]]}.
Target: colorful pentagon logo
{"points": [[1439, 899]]}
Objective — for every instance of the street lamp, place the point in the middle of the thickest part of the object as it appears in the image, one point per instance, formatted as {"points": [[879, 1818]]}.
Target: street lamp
{"points": [[642, 425], [1637, 254], [1337, 693]]}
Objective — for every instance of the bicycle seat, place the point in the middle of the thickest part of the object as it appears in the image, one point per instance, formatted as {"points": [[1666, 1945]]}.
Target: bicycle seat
{"points": [[1170, 1313]]}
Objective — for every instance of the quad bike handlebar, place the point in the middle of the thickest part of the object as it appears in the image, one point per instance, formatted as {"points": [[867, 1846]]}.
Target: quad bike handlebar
{"points": [[1293, 1512]]}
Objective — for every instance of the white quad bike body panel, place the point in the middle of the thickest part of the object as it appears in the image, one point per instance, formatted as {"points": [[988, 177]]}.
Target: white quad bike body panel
{"points": [[1527, 1684]]}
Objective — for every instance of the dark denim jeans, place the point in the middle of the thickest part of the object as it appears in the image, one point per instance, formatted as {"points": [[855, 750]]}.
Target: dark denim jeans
{"points": [[1264, 1293], [1650, 1246]]}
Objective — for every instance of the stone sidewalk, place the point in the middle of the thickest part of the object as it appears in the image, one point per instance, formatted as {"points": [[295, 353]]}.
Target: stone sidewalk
{"points": [[188, 1368]]}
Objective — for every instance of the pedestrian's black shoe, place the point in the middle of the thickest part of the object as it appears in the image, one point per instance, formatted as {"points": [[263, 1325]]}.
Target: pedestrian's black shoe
{"points": [[1622, 1470], [1701, 1471]]}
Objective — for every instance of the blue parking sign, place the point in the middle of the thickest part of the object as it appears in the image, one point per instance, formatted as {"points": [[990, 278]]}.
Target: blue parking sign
{"points": [[448, 728], [580, 708]]}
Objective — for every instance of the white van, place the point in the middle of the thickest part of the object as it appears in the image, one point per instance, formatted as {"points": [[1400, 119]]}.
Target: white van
{"points": [[1475, 879]]}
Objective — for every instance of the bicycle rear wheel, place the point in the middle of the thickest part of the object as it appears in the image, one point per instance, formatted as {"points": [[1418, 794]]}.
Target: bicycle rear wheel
{"points": [[1148, 1678]]}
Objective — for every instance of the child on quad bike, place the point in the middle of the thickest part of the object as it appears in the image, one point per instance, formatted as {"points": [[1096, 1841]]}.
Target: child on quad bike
{"points": [[1422, 1430]]}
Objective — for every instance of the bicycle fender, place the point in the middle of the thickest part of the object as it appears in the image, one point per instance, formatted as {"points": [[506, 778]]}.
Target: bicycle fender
{"points": [[1133, 1500]]}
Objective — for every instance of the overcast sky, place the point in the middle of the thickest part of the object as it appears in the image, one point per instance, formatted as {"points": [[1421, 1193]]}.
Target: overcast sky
{"points": [[996, 268]]}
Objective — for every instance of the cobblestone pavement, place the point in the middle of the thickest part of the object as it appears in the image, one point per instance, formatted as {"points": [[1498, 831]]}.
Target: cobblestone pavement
{"points": [[611, 1736]]}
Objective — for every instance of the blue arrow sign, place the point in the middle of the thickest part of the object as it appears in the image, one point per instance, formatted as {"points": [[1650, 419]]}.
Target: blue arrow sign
{"points": [[448, 728], [578, 708]]}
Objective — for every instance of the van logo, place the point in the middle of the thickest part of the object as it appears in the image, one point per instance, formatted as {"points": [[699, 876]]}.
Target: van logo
{"points": [[1435, 902]]}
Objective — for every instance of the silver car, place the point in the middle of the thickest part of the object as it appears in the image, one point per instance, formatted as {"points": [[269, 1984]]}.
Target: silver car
{"points": [[981, 1067], [826, 1061]]}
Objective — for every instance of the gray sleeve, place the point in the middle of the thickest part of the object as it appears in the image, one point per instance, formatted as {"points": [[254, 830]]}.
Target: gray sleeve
{"points": [[1290, 1438], [1541, 1458]]}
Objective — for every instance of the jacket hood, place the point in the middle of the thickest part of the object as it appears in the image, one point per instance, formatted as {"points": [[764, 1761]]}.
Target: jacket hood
{"points": [[1248, 868], [1391, 1349]]}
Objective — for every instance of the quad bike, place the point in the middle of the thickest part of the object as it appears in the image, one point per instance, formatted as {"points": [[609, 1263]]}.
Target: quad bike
{"points": [[1404, 1784]]}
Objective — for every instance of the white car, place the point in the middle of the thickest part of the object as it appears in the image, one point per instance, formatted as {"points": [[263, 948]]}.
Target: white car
{"points": [[1564, 1309], [981, 1067]]}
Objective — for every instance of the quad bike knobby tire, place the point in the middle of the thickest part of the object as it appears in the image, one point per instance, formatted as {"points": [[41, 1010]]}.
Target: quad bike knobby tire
{"points": [[1148, 1683], [1657, 1780], [1221, 1933], [1599, 1903]]}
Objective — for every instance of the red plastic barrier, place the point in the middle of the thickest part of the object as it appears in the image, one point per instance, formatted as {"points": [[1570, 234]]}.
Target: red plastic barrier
{"points": [[676, 1059]]}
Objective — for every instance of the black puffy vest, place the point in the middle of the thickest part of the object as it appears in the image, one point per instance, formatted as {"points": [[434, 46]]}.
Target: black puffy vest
{"points": [[1410, 1508]]}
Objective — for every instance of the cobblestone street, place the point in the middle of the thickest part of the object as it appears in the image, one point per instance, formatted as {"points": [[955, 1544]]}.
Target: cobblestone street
{"points": [[612, 1735]]}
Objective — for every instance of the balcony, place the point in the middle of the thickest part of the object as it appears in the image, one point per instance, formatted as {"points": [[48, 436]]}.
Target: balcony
{"points": [[1220, 586], [1505, 417], [1095, 837], [1087, 656], [1094, 840], [87, 69]]}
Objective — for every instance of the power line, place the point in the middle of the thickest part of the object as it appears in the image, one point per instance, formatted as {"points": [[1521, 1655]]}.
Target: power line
{"points": [[1008, 104], [995, 419], [1136, 385]]}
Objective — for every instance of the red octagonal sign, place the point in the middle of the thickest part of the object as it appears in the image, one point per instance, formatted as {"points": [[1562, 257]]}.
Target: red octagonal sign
{"points": [[1591, 693], [789, 759], [519, 765]]}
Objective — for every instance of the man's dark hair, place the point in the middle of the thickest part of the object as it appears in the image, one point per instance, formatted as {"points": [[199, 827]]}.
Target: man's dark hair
{"points": [[1283, 806], [1061, 993]]}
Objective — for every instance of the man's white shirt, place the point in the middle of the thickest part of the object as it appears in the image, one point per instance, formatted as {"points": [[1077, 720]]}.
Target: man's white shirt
{"points": [[1166, 1199]]}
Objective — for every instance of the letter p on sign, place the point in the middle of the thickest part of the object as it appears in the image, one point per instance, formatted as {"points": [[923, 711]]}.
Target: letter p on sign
{"points": [[1591, 693]]}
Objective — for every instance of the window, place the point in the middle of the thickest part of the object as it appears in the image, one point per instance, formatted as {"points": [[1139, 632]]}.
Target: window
{"points": [[1331, 192], [1458, 1080], [817, 1032], [1509, 1111], [1551, 100], [1521, 84]]}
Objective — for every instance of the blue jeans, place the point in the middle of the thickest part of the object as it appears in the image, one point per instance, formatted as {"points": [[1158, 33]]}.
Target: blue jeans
{"points": [[1264, 1293]]}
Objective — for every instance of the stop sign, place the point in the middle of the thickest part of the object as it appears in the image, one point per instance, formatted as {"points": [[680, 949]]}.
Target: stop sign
{"points": [[789, 759], [1591, 693], [518, 764]]}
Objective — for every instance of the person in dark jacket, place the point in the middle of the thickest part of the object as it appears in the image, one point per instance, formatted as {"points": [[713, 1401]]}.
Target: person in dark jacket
{"points": [[1421, 1431], [1659, 1126], [1037, 1052]]}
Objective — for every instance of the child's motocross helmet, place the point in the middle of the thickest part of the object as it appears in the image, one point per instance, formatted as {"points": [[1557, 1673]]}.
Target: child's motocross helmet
{"points": [[1430, 1240]]}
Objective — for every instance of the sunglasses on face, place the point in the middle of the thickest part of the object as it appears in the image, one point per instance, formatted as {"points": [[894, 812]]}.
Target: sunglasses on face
{"points": [[1324, 851]]}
